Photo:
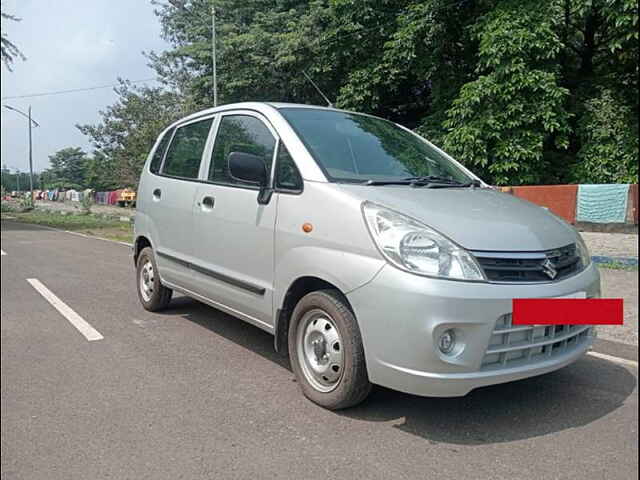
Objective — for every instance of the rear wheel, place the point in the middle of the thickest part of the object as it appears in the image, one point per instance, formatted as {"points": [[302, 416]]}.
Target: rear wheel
{"points": [[152, 294], [326, 352]]}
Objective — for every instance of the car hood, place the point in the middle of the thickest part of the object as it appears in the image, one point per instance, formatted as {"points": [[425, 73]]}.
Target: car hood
{"points": [[475, 218]]}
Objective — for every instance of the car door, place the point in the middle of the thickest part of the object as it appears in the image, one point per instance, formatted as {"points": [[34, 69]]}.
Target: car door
{"points": [[234, 234], [172, 192]]}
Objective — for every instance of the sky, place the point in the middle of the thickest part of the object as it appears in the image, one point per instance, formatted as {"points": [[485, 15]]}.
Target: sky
{"points": [[69, 44]]}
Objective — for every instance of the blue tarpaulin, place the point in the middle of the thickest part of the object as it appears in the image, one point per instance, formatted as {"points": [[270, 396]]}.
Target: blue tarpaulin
{"points": [[602, 203]]}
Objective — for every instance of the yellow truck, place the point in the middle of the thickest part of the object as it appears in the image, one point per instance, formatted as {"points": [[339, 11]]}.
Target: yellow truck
{"points": [[127, 198]]}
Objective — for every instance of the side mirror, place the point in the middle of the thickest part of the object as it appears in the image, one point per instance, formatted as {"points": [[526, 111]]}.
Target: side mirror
{"points": [[247, 167]]}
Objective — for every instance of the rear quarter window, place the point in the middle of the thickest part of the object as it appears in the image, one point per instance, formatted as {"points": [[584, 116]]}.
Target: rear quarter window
{"points": [[158, 155]]}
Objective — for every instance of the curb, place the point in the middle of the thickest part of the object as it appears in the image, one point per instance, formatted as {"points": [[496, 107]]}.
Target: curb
{"points": [[605, 259], [78, 234]]}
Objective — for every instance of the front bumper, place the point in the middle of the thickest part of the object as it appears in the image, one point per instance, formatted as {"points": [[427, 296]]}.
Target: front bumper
{"points": [[402, 315]]}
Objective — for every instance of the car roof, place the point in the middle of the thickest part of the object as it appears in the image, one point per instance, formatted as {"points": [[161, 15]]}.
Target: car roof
{"points": [[299, 105], [258, 106]]}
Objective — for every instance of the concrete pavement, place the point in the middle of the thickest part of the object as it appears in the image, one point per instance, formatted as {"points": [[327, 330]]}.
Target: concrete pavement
{"points": [[194, 393], [614, 245]]}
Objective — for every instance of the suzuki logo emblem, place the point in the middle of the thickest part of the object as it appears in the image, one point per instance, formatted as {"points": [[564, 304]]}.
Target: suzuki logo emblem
{"points": [[549, 268]]}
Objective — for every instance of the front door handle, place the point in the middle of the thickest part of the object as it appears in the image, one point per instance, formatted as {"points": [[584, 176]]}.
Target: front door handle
{"points": [[208, 203], [157, 193]]}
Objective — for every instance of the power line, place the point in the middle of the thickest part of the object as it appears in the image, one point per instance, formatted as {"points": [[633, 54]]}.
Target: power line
{"points": [[73, 90]]}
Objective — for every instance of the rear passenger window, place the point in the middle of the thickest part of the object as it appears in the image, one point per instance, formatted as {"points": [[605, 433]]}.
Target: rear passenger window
{"points": [[156, 161], [240, 133], [185, 152], [287, 174]]}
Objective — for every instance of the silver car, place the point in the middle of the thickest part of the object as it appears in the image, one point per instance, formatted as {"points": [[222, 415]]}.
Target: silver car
{"points": [[371, 255]]}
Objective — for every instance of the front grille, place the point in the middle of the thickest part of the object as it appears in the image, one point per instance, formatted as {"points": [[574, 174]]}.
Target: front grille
{"points": [[521, 344], [514, 267]]}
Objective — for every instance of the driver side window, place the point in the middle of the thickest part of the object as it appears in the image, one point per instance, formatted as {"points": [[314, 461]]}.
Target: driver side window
{"points": [[239, 133]]}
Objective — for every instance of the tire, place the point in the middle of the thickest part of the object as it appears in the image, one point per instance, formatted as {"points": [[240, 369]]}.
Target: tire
{"points": [[152, 294], [326, 351]]}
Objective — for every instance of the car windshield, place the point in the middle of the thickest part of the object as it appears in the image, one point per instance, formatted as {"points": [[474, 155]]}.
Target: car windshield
{"points": [[359, 148]]}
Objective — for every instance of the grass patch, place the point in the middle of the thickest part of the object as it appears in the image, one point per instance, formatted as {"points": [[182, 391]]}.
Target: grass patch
{"points": [[89, 224]]}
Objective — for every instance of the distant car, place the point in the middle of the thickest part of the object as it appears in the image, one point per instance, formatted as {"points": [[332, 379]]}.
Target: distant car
{"points": [[371, 255]]}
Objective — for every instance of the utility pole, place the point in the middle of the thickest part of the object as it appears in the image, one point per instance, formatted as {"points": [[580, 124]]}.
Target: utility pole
{"points": [[213, 54], [32, 122], [180, 5], [33, 200]]}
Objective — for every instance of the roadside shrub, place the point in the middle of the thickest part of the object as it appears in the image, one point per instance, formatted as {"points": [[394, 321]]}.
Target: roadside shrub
{"points": [[86, 204], [6, 207], [25, 203]]}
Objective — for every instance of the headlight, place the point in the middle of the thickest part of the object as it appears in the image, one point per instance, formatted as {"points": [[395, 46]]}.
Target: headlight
{"points": [[414, 247], [582, 251]]}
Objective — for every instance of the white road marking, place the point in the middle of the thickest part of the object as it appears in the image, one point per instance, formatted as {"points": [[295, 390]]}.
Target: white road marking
{"points": [[611, 358], [78, 234], [2, 253], [96, 238], [76, 320]]}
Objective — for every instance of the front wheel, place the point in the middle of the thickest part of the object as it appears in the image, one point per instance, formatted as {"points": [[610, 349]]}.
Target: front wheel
{"points": [[326, 351], [152, 294]]}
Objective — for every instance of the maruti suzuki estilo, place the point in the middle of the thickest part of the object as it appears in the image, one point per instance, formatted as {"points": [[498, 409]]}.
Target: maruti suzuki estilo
{"points": [[371, 255]]}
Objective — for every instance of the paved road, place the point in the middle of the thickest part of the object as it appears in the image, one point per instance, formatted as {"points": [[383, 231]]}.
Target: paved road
{"points": [[621, 284], [193, 393]]}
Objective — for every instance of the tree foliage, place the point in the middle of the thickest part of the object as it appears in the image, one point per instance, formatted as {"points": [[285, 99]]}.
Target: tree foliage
{"points": [[17, 181], [609, 142], [67, 168], [503, 121], [8, 50], [127, 132], [521, 91]]}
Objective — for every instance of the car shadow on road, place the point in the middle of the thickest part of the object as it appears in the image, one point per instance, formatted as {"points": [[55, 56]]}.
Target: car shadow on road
{"points": [[235, 330], [572, 397]]}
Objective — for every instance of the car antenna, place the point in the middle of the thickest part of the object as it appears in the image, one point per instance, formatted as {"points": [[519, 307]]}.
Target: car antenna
{"points": [[329, 104]]}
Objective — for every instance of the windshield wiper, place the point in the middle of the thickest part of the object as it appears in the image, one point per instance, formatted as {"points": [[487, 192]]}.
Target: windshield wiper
{"points": [[388, 182], [439, 179], [430, 181]]}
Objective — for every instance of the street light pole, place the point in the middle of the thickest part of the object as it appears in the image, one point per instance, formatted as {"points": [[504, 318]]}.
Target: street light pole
{"points": [[33, 200], [32, 122]]}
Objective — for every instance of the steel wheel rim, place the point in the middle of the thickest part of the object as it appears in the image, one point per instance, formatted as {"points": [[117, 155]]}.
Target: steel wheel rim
{"points": [[320, 350], [147, 276]]}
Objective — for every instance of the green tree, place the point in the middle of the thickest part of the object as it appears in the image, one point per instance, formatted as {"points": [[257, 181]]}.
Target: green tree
{"points": [[507, 86], [609, 147], [100, 173], [128, 130], [591, 45], [68, 167], [502, 122]]}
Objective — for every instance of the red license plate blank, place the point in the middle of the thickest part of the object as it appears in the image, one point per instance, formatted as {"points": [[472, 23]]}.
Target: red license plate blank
{"points": [[568, 311]]}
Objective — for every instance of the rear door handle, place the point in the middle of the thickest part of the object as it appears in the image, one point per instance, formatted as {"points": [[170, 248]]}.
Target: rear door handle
{"points": [[157, 193]]}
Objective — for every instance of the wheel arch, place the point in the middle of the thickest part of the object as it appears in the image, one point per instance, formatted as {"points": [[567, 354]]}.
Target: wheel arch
{"points": [[300, 287], [139, 244]]}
